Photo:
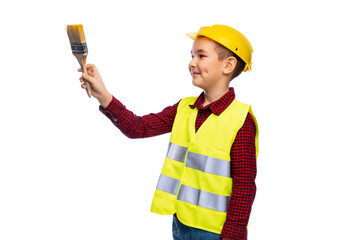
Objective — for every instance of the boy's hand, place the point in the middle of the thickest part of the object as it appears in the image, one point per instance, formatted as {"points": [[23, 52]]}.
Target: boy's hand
{"points": [[98, 88]]}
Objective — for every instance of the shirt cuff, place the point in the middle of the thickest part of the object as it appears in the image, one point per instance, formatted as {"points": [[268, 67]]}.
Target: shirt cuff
{"points": [[234, 231], [112, 111]]}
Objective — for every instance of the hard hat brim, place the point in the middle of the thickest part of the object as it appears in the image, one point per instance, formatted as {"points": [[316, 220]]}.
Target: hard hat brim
{"points": [[192, 35]]}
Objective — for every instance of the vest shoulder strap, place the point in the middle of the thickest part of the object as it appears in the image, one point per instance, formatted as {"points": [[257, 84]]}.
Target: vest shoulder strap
{"points": [[185, 102]]}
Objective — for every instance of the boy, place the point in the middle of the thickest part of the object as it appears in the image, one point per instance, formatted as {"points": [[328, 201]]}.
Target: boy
{"points": [[208, 178]]}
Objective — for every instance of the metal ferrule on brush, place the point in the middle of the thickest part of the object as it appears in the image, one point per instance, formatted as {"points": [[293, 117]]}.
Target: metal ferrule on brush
{"points": [[79, 48]]}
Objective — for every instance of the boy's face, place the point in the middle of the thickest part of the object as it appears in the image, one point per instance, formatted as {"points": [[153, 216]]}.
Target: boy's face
{"points": [[206, 69]]}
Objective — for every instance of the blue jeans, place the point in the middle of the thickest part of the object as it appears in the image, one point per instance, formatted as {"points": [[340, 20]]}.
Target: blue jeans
{"points": [[183, 232]]}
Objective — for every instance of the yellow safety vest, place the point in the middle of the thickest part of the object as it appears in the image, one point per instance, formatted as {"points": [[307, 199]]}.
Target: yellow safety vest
{"points": [[195, 181]]}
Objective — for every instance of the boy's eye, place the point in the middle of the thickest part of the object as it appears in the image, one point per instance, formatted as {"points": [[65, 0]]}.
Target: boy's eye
{"points": [[200, 56]]}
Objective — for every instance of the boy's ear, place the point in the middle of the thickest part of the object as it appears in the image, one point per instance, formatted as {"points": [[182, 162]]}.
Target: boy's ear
{"points": [[230, 65]]}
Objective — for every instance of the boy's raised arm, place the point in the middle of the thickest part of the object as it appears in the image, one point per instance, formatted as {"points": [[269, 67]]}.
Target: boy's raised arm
{"points": [[127, 122]]}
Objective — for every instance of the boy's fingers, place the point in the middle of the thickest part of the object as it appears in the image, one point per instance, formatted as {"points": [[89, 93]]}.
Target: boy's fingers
{"points": [[90, 66], [90, 72], [87, 77]]}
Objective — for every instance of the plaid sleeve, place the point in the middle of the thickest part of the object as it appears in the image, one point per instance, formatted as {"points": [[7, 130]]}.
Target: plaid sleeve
{"points": [[243, 168], [134, 126]]}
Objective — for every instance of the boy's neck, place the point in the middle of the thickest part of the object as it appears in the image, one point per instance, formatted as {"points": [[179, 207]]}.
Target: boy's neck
{"points": [[214, 95]]}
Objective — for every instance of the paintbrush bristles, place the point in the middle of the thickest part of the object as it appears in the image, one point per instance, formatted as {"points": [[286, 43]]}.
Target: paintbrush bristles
{"points": [[77, 39], [76, 33]]}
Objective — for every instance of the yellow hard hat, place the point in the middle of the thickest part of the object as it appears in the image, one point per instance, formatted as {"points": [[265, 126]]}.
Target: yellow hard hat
{"points": [[231, 39]]}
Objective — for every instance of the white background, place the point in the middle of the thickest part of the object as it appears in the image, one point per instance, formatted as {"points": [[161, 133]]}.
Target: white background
{"points": [[67, 173]]}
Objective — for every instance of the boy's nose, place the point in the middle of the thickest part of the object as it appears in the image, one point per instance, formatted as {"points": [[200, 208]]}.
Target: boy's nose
{"points": [[192, 63]]}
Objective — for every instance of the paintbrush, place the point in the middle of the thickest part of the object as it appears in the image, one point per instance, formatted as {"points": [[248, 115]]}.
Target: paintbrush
{"points": [[77, 41]]}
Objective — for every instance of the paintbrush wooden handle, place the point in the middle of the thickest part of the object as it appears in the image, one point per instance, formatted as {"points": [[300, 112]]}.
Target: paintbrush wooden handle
{"points": [[82, 61]]}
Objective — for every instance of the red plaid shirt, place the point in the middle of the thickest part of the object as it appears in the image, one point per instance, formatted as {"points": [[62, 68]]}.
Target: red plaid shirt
{"points": [[243, 151]]}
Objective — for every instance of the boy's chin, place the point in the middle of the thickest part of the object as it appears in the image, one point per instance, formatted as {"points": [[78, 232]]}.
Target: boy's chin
{"points": [[200, 87], [196, 83]]}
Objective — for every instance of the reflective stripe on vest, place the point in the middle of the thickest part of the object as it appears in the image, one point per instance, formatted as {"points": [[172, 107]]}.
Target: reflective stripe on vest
{"points": [[208, 164], [198, 161], [202, 163], [176, 152], [203, 198], [168, 184], [193, 195]]}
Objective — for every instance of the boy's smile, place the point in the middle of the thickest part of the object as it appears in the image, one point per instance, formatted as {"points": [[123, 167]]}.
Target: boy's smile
{"points": [[205, 67]]}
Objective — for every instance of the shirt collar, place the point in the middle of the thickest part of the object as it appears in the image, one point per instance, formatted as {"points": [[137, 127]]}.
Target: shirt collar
{"points": [[219, 105]]}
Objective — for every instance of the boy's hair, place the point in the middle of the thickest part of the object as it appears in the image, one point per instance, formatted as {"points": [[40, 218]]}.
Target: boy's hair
{"points": [[224, 52]]}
